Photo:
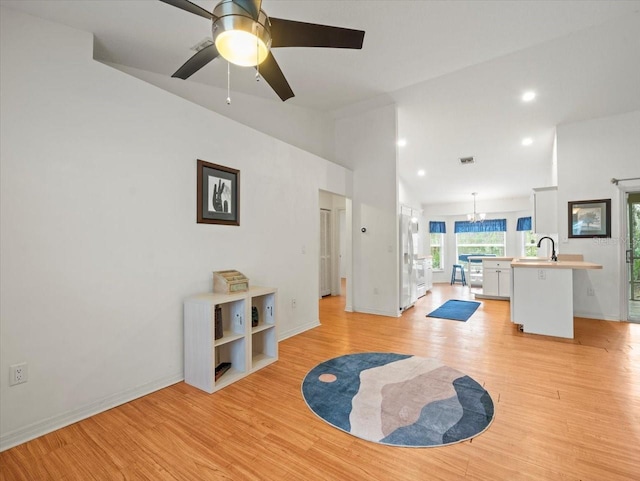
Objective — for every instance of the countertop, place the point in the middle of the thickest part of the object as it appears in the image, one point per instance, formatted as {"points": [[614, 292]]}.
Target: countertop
{"points": [[487, 258], [547, 264]]}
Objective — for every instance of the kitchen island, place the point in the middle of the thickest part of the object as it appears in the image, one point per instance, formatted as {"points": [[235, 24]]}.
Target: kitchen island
{"points": [[542, 295]]}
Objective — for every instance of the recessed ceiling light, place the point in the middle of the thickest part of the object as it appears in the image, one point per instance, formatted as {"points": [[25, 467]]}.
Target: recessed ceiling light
{"points": [[421, 172], [528, 96], [402, 142], [527, 141]]}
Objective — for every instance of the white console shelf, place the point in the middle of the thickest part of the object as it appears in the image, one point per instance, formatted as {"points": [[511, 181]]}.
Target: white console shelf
{"points": [[247, 348]]}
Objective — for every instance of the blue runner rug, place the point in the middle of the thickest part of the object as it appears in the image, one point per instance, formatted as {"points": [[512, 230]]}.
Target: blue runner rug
{"points": [[456, 310]]}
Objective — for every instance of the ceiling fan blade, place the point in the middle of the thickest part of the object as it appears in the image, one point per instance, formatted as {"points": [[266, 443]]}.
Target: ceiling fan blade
{"points": [[251, 6], [195, 63], [187, 6], [289, 33], [270, 71]]}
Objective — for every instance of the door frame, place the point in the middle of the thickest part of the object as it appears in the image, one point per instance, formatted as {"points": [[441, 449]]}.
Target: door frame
{"points": [[624, 191], [329, 238]]}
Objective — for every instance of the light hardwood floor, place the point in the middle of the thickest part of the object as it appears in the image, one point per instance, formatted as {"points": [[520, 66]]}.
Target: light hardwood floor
{"points": [[565, 410]]}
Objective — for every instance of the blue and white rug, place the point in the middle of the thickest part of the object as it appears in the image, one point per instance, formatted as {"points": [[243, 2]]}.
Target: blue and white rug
{"points": [[398, 399]]}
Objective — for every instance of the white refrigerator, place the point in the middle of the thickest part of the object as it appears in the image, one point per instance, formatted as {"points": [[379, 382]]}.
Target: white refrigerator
{"points": [[408, 259]]}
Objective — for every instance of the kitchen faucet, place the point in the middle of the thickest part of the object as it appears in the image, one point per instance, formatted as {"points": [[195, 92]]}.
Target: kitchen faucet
{"points": [[554, 257]]}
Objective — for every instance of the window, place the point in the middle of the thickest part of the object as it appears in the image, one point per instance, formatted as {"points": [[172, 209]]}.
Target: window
{"points": [[437, 230], [529, 247], [436, 241], [480, 243], [528, 238]]}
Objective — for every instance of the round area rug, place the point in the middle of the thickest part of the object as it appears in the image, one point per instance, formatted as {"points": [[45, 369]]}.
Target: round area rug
{"points": [[397, 399]]}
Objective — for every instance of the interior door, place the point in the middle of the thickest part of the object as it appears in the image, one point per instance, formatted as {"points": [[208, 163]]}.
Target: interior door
{"points": [[325, 252], [633, 255], [343, 244]]}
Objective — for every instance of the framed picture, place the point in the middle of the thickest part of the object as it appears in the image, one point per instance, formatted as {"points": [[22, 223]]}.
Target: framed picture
{"points": [[590, 218], [218, 194]]}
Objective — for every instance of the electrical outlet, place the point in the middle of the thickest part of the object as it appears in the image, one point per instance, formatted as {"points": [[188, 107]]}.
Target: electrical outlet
{"points": [[591, 292], [542, 275], [293, 303], [17, 373]]}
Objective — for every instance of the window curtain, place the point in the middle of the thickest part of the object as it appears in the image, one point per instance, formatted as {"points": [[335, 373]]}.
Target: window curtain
{"points": [[524, 223], [492, 225], [437, 228]]}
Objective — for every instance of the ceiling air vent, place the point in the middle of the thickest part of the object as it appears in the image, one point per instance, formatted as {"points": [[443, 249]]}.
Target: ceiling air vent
{"points": [[467, 160]]}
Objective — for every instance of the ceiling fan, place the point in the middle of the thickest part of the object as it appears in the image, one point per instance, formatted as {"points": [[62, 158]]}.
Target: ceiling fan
{"points": [[244, 35]]}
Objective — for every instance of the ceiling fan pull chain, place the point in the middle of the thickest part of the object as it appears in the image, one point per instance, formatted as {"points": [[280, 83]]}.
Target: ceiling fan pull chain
{"points": [[228, 83]]}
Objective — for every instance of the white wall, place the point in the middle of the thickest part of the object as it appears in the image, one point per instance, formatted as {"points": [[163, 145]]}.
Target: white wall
{"points": [[310, 130], [366, 142], [590, 153], [99, 238]]}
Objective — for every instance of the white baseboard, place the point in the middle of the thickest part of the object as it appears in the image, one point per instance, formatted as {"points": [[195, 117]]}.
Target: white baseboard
{"points": [[298, 330], [596, 315], [40, 428], [377, 312]]}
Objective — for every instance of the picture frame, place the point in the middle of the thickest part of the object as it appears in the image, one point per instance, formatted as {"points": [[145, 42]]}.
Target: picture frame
{"points": [[218, 194], [589, 219]]}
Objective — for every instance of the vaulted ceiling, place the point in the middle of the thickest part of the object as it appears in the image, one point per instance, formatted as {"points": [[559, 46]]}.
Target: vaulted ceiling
{"points": [[456, 70]]}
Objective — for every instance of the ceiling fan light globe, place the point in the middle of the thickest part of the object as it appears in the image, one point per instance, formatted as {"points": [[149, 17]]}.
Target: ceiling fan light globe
{"points": [[238, 37], [241, 48]]}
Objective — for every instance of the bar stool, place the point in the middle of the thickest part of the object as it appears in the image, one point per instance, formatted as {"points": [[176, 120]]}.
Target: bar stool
{"points": [[462, 279]]}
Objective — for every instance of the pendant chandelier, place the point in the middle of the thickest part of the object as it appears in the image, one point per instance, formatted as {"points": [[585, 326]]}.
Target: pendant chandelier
{"points": [[475, 217]]}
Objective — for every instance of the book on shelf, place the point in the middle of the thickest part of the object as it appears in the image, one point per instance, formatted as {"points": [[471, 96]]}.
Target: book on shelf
{"points": [[218, 329], [221, 369]]}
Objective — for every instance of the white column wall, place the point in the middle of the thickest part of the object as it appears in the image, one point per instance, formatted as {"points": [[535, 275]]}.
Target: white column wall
{"points": [[366, 142]]}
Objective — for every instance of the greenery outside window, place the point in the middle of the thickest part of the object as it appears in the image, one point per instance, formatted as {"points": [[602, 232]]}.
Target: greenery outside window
{"points": [[529, 248], [481, 243], [436, 241]]}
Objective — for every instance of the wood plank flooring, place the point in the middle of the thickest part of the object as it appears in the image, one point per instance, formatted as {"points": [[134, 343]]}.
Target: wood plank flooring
{"points": [[566, 410]]}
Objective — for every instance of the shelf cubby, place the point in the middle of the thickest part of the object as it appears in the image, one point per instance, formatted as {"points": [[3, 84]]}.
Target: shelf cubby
{"points": [[264, 346], [246, 348]]}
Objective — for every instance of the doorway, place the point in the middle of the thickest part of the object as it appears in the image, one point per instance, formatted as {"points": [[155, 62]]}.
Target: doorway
{"points": [[335, 247], [632, 255]]}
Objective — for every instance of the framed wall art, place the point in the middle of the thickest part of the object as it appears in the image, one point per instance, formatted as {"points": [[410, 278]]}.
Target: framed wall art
{"points": [[218, 194], [590, 218]]}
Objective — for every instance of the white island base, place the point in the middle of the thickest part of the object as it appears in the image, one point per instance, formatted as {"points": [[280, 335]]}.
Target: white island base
{"points": [[543, 301], [542, 295]]}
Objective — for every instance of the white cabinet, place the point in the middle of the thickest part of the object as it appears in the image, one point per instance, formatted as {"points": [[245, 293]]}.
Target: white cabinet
{"points": [[496, 278], [545, 210], [424, 275], [245, 347], [490, 283], [428, 273]]}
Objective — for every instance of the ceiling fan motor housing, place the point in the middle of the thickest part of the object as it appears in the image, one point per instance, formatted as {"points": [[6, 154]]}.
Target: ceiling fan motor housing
{"points": [[228, 16]]}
